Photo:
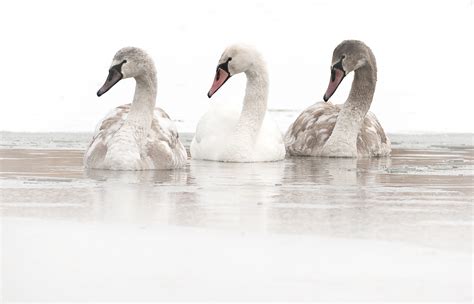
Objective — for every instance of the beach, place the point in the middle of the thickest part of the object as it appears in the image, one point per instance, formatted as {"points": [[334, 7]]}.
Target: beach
{"points": [[390, 229]]}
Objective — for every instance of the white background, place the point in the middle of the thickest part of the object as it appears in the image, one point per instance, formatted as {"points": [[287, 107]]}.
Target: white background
{"points": [[55, 55]]}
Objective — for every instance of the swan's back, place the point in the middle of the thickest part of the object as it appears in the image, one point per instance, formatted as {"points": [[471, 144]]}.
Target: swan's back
{"points": [[161, 148], [313, 127]]}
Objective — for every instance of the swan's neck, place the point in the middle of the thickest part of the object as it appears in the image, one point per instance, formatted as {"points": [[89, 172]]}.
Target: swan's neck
{"points": [[255, 103], [357, 105], [141, 110]]}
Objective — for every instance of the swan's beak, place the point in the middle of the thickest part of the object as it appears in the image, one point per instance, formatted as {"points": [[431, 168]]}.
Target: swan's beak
{"points": [[337, 75], [114, 77], [221, 77]]}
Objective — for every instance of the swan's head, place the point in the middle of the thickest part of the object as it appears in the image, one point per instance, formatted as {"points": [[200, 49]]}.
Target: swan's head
{"points": [[128, 62], [348, 56], [237, 58]]}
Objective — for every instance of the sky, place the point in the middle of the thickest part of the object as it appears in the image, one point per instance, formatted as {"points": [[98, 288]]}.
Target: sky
{"points": [[56, 55]]}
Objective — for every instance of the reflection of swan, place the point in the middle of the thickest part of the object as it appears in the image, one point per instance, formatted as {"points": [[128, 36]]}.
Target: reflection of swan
{"points": [[328, 196], [137, 136], [136, 196], [349, 130], [174, 177], [227, 133], [334, 171], [236, 194], [206, 194]]}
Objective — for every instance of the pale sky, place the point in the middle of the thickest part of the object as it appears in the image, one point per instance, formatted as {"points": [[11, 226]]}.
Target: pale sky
{"points": [[56, 54]]}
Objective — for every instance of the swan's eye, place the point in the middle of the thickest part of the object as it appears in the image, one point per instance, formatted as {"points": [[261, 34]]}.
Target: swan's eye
{"points": [[125, 61], [230, 58]]}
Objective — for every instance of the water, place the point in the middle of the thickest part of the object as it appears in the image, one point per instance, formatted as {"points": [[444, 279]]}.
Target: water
{"points": [[19, 140], [301, 229]]}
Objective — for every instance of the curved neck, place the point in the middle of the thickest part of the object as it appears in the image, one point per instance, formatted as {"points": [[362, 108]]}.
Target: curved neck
{"points": [[357, 105], [255, 102], [141, 110]]}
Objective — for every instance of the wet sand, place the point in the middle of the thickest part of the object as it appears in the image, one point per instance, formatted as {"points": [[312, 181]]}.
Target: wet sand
{"points": [[403, 224]]}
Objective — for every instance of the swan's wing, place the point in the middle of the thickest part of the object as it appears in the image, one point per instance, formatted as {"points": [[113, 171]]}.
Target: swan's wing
{"points": [[163, 149], [213, 130], [103, 133], [218, 122], [310, 131], [372, 140], [269, 145]]}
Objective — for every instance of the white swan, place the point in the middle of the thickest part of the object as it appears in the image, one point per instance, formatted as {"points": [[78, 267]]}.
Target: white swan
{"points": [[239, 134], [135, 136], [347, 130]]}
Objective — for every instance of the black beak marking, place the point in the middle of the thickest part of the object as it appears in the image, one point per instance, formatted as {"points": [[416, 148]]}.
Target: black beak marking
{"points": [[115, 75], [338, 66], [224, 66]]}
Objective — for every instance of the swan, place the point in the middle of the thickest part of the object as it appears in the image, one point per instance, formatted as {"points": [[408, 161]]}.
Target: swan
{"points": [[347, 130], [239, 133], [135, 136]]}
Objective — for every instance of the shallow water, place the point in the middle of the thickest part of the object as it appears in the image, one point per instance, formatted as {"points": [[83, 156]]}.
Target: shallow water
{"points": [[421, 199]]}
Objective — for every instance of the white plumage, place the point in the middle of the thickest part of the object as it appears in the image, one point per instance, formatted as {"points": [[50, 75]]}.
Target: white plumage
{"points": [[244, 133]]}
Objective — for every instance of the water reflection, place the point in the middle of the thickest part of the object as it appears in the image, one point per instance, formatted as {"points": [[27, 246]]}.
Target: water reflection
{"points": [[206, 194], [299, 194], [333, 171], [333, 197], [236, 194], [325, 195], [136, 196], [175, 177]]}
